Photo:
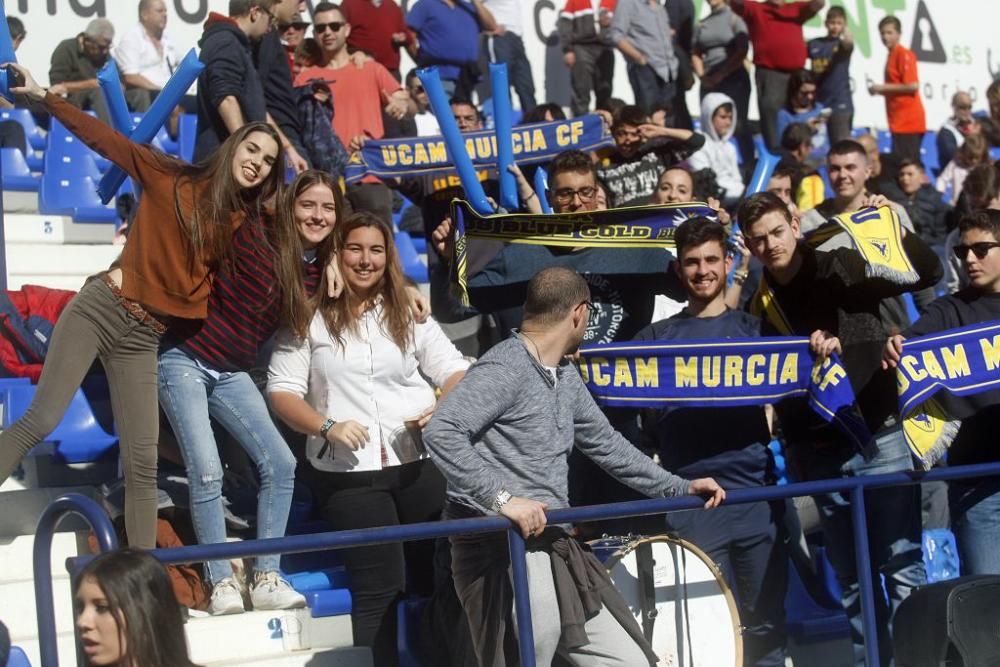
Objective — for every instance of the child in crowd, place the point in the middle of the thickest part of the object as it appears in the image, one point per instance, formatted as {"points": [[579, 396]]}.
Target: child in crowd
{"points": [[831, 63], [973, 152], [901, 90], [718, 122]]}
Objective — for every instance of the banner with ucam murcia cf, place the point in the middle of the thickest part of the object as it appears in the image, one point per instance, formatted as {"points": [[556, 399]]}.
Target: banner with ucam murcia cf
{"points": [[424, 156], [952, 40]]}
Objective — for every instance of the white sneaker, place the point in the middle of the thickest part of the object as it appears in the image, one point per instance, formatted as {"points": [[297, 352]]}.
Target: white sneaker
{"points": [[226, 598], [270, 591]]}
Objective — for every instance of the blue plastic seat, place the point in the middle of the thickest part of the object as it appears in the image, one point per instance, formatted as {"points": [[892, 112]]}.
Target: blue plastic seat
{"points": [[78, 438], [929, 154], [415, 269], [824, 176], [63, 143], [884, 141], [995, 153], [186, 136], [16, 173], [37, 139], [17, 658], [408, 613], [74, 196]]}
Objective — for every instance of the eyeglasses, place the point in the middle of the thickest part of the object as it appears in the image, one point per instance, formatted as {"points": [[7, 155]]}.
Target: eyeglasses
{"points": [[963, 107], [335, 26], [980, 250], [565, 195], [271, 19]]}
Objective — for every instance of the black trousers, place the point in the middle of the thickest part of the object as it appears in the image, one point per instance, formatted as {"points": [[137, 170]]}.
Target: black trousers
{"points": [[379, 575], [907, 145]]}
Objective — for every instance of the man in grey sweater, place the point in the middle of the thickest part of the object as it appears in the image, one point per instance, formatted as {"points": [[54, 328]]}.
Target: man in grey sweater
{"points": [[502, 438]]}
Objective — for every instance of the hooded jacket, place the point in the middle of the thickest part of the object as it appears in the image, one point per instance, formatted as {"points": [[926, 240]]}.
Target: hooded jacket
{"points": [[229, 70], [718, 153]]}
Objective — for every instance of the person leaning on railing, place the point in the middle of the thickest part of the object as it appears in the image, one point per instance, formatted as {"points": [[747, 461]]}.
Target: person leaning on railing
{"points": [[502, 438]]}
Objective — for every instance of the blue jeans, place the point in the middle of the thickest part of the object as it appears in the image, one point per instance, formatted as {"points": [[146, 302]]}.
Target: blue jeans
{"points": [[649, 89], [894, 531], [975, 520], [508, 48], [190, 394]]}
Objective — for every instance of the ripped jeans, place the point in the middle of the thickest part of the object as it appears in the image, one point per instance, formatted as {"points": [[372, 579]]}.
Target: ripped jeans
{"points": [[190, 393]]}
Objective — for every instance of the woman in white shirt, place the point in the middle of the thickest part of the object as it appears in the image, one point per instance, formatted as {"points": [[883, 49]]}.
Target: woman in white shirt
{"points": [[356, 386]]}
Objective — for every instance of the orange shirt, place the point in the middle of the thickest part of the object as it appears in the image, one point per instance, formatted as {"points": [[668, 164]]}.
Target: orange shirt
{"points": [[357, 97], [905, 112], [158, 268]]}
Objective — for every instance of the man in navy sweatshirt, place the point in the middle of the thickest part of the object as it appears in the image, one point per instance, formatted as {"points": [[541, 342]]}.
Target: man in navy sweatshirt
{"points": [[730, 443], [502, 439]]}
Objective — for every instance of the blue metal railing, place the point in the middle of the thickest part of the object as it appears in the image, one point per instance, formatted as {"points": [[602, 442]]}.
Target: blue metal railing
{"points": [[99, 521]]}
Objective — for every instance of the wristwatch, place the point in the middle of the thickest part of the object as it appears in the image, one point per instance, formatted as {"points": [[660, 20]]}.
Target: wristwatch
{"points": [[502, 499], [327, 425]]}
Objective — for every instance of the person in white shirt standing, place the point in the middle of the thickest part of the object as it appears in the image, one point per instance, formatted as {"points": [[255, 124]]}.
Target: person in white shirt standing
{"points": [[146, 56], [504, 45], [356, 386]]}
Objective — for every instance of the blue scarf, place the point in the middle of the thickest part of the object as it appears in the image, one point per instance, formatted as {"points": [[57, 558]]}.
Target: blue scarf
{"points": [[423, 156], [720, 373], [934, 374]]}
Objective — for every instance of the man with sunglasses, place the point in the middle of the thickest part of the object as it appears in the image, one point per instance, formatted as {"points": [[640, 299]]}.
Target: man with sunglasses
{"points": [[230, 93], [75, 62], [360, 95], [974, 503]]}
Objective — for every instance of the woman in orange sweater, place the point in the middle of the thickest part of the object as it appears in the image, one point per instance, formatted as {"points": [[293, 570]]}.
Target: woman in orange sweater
{"points": [[183, 228]]}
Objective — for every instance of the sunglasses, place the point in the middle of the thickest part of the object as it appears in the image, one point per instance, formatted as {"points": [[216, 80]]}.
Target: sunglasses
{"points": [[282, 27], [335, 26], [980, 250]]}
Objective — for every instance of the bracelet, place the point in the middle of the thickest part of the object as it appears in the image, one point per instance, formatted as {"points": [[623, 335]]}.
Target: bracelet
{"points": [[325, 428], [740, 277], [533, 194]]}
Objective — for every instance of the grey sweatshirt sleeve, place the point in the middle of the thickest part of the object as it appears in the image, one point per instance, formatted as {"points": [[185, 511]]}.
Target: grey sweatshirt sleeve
{"points": [[486, 392], [620, 458]]}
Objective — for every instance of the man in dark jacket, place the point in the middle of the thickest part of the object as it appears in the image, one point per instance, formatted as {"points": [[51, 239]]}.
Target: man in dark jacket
{"points": [[823, 294], [271, 61], [229, 89], [927, 209]]}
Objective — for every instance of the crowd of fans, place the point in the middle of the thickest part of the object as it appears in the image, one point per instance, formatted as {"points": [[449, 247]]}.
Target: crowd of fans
{"points": [[356, 354]]}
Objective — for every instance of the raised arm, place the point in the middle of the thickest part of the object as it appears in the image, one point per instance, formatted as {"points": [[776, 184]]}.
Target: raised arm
{"points": [[131, 157], [486, 20]]}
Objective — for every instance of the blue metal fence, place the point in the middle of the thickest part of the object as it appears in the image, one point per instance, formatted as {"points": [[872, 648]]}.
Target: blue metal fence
{"points": [[99, 521]]}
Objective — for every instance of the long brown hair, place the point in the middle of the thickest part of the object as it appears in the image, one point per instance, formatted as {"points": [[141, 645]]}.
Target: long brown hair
{"points": [[296, 307], [142, 601], [209, 225], [340, 314]]}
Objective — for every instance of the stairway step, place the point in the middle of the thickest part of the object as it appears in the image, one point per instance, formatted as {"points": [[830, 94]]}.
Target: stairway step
{"points": [[22, 228], [19, 607], [26, 259], [259, 633], [16, 555], [338, 657]]}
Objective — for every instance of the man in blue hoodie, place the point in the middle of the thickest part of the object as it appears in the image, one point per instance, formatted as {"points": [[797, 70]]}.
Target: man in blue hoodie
{"points": [[229, 89]]}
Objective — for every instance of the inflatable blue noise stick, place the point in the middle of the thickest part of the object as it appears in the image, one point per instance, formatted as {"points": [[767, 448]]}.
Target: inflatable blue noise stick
{"points": [[111, 86], [157, 114], [454, 142], [504, 129], [7, 54], [766, 162], [542, 189]]}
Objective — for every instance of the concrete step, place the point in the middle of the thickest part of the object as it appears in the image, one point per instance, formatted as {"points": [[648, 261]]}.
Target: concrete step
{"points": [[337, 657], [16, 555], [20, 228], [260, 633], [44, 259], [19, 608]]}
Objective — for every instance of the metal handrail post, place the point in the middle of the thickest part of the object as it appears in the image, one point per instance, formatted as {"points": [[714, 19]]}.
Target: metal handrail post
{"points": [[863, 563], [94, 514], [522, 600]]}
